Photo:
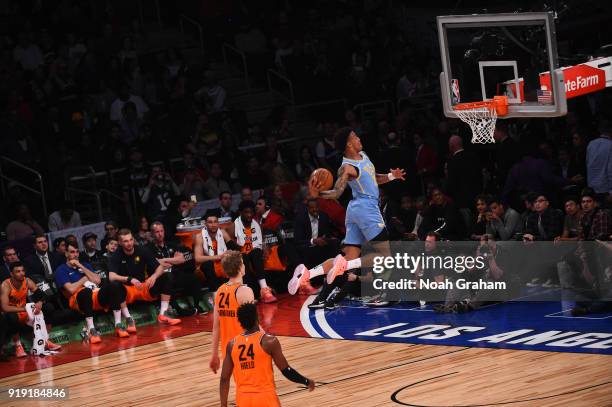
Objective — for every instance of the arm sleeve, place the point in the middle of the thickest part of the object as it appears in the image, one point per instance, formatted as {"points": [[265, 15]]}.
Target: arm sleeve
{"points": [[294, 376]]}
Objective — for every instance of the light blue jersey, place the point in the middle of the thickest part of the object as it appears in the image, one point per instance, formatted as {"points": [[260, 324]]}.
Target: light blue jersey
{"points": [[363, 218], [365, 185]]}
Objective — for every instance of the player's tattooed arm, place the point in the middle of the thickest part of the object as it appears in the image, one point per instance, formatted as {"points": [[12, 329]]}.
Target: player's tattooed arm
{"points": [[344, 172], [397, 173]]}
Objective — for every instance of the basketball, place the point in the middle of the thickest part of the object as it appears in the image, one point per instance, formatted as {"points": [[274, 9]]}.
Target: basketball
{"points": [[324, 177]]}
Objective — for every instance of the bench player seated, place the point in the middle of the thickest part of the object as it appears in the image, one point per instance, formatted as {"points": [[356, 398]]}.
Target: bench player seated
{"points": [[143, 276], [13, 298], [249, 358], [85, 293]]}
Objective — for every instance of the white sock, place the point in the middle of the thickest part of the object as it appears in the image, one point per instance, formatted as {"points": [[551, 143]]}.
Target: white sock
{"points": [[353, 264], [117, 315], [126, 312], [263, 283], [164, 307], [90, 324], [317, 271]]}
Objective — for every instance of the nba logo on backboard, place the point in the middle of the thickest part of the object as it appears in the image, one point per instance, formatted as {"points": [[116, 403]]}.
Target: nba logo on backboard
{"points": [[455, 89]]}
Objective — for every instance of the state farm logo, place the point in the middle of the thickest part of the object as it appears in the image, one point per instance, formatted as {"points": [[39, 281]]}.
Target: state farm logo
{"points": [[581, 83]]}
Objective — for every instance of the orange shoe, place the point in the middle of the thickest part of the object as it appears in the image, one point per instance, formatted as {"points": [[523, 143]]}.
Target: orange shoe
{"points": [[266, 295], [52, 346], [307, 289], [94, 336], [19, 351], [131, 325], [337, 269], [121, 332], [162, 319]]}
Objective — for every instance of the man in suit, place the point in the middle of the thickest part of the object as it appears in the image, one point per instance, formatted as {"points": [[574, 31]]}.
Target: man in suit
{"points": [[313, 235], [464, 177], [42, 261]]}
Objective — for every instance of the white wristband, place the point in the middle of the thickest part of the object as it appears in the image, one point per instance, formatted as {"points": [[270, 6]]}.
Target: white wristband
{"points": [[391, 176]]}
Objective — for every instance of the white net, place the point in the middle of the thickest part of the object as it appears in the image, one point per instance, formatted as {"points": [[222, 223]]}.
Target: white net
{"points": [[482, 122]]}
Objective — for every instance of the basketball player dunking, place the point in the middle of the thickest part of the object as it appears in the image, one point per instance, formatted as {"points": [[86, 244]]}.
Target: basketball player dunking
{"points": [[364, 221], [227, 300], [249, 357]]}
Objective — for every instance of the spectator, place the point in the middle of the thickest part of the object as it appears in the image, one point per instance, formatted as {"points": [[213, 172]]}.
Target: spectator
{"points": [[599, 162], [59, 246], [110, 229], [407, 214], [478, 228], [215, 184], [27, 54], [90, 254], [225, 207], [212, 94], [24, 226], [249, 238], [441, 216], [545, 223], [325, 149], [313, 235], [158, 194], [192, 184], [531, 174], [9, 255], [65, 218], [130, 125], [595, 223], [503, 222], [307, 163], [182, 211], [464, 177], [390, 212], [180, 261], [573, 214], [279, 203], [257, 179], [246, 194], [124, 97], [42, 261], [72, 239], [567, 168], [426, 158], [143, 235], [266, 216]]}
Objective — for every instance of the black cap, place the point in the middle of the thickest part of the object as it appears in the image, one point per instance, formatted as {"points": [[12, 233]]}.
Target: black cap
{"points": [[89, 235]]}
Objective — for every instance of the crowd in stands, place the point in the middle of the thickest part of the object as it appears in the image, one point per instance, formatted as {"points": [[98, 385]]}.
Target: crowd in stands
{"points": [[80, 89]]}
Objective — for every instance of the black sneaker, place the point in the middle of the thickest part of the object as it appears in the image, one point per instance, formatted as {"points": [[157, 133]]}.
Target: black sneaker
{"points": [[329, 305], [200, 310], [317, 304], [185, 312]]}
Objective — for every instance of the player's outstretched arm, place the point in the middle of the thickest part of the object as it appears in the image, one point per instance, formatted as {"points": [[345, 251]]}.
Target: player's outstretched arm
{"points": [[214, 357], [272, 346], [344, 174], [395, 173], [226, 373]]}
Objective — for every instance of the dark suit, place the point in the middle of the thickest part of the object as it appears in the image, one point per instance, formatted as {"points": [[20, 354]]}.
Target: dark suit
{"points": [[35, 266], [464, 178], [314, 254]]}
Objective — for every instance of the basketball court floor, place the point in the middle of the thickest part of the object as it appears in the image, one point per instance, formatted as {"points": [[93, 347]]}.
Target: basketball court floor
{"points": [[517, 353]]}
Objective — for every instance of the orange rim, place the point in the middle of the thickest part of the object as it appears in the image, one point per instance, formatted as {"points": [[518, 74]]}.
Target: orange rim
{"points": [[499, 103]]}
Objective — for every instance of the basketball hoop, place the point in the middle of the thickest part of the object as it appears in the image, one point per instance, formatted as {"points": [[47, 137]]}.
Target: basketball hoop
{"points": [[482, 116]]}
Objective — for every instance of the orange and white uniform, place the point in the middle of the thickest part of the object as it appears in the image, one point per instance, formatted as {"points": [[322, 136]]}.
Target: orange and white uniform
{"points": [[17, 298], [253, 372], [227, 309]]}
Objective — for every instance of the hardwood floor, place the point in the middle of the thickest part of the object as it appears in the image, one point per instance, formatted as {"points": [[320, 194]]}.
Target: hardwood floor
{"points": [[350, 373]]}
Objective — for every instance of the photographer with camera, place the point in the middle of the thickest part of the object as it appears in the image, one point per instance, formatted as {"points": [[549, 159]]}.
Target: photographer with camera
{"points": [[459, 299], [158, 194]]}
